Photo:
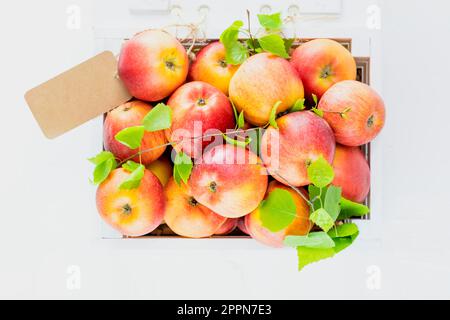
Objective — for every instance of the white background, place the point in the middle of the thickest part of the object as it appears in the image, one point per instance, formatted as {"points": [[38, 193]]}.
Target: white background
{"points": [[48, 220]]}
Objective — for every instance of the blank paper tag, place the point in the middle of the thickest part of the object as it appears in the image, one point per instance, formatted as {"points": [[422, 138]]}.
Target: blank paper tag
{"points": [[78, 95]]}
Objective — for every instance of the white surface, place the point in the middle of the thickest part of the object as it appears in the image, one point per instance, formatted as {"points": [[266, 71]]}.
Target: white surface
{"points": [[49, 224]]}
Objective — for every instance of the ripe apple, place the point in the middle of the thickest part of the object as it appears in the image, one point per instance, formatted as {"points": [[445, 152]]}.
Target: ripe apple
{"points": [[129, 115], [152, 65], [228, 227], [299, 227], [185, 216], [198, 109], [210, 66], [301, 138], [322, 63], [366, 115], [135, 212], [162, 168], [260, 82], [229, 180], [352, 173]]}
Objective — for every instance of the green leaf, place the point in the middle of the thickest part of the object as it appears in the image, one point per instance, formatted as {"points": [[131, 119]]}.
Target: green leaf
{"points": [[241, 120], [236, 52], [236, 142], [317, 112], [130, 166], [316, 100], [253, 44], [273, 43], [288, 44], [316, 197], [131, 137], [236, 118], [299, 105], [352, 209], [101, 157], [278, 210], [102, 170], [182, 168], [271, 21], [322, 219], [320, 172], [343, 236], [273, 115], [332, 200], [310, 255], [134, 179], [320, 240], [159, 118]]}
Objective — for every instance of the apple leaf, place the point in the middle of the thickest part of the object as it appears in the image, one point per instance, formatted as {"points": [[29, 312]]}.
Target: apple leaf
{"points": [[236, 52], [322, 219], [273, 115], [332, 200], [278, 210], [130, 166], [159, 118], [182, 168], [310, 255], [316, 196], [317, 112], [352, 209], [236, 142], [320, 172], [241, 120], [273, 43], [299, 105], [343, 236], [271, 21], [104, 163], [131, 137], [288, 44], [134, 179], [315, 99], [320, 240], [236, 117]]}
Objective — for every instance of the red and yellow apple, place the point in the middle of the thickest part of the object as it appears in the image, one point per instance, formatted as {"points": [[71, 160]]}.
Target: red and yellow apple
{"points": [[228, 227], [229, 180], [135, 212], [322, 63], [198, 109], [152, 65], [365, 117], [162, 168], [260, 82], [300, 226], [185, 216], [210, 66], [129, 115], [301, 138], [352, 173]]}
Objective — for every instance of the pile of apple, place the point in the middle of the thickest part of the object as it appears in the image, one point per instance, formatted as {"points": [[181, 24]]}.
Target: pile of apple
{"points": [[308, 104]]}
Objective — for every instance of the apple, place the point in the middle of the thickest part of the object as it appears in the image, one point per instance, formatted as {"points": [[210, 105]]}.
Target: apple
{"points": [[135, 212], [228, 227], [260, 82], [185, 216], [229, 180], [210, 66], [198, 109], [241, 225], [322, 63], [299, 227], [302, 137], [153, 64], [129, 115], [352, 173], [162, 168], [366, 115]]}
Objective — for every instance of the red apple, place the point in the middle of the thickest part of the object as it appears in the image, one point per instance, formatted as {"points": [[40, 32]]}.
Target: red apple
{"points": [[129, 115], [366, 115], [301, 138], [185, 216], [352, 173], [229, 180], [162, 168], [153, 64], [210, 66], [198, 109], [134, 212], [299, 227], [260, 82], [321, 63]]}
